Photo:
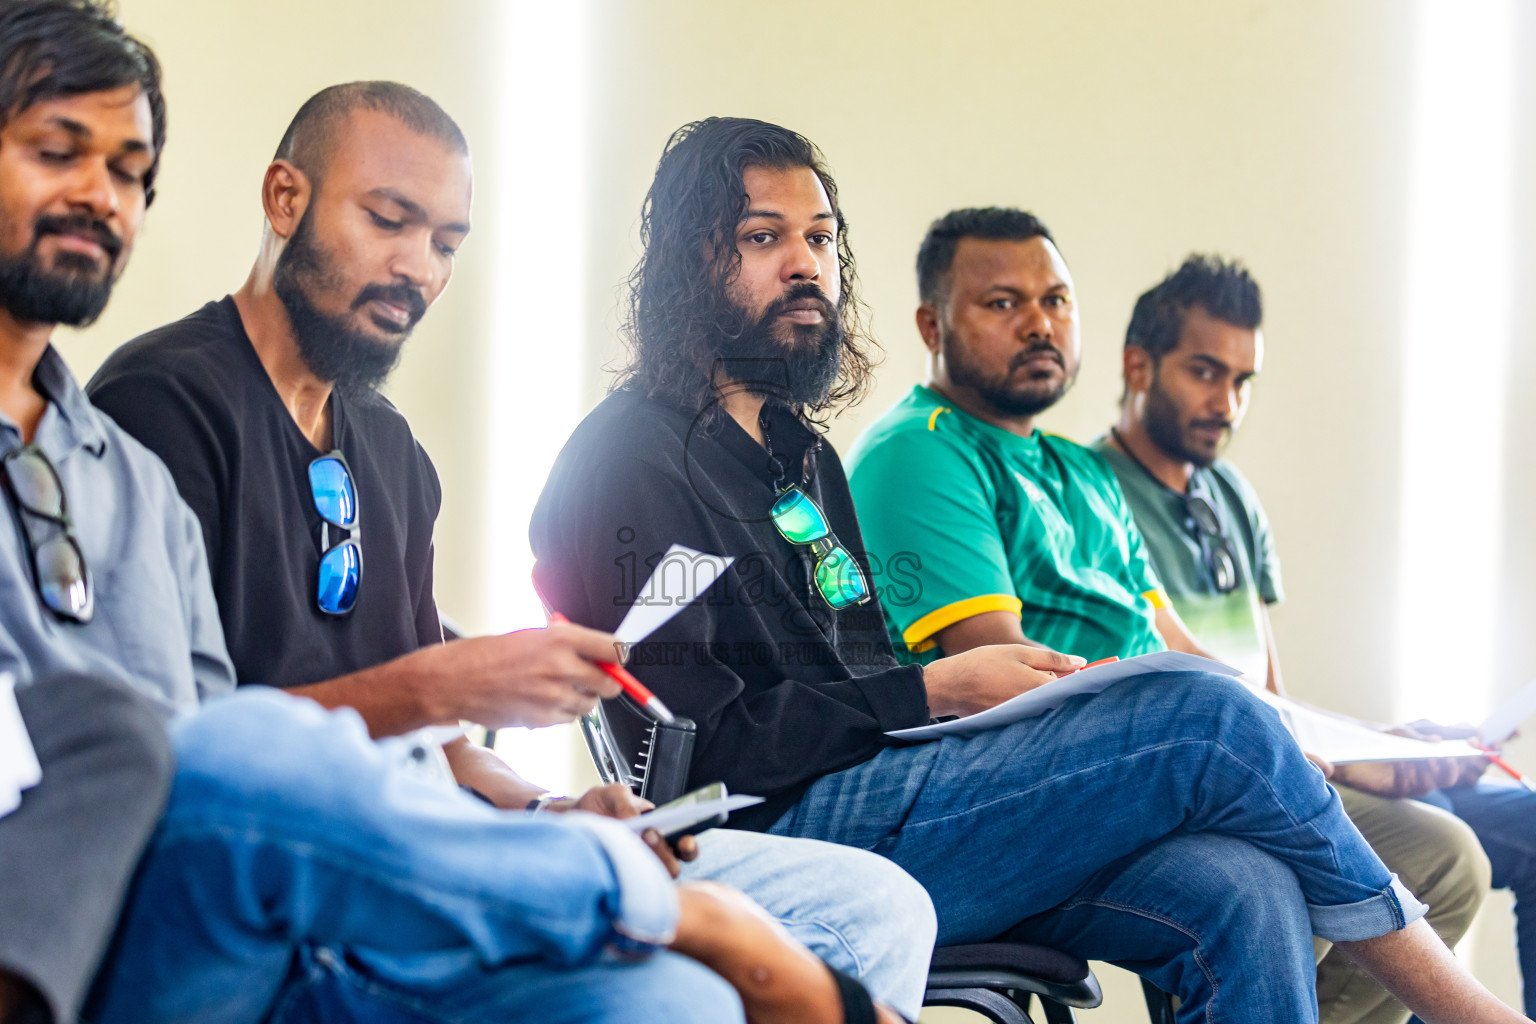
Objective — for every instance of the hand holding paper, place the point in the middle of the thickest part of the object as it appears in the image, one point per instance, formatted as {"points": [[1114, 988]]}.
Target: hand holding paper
{"points": [[1053, 694], [1404, 780], [1344, 742], [1507, 717], [985, 677], [680, 578], [673, 819]]}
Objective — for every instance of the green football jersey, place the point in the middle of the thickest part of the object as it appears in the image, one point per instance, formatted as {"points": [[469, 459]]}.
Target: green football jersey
{"points": [[966, 518]]}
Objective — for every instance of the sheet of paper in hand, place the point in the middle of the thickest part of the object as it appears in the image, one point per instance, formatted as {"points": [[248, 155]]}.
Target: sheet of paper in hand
{"points": [[1053, 694], [679, 579], [19, 769], [1347, 742], [669, 820], [1507, 717]]}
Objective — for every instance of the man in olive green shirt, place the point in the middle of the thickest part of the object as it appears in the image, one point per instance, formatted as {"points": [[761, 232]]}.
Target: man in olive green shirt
{"points": [[1192, 351], [991, 531], [1212, 546]]}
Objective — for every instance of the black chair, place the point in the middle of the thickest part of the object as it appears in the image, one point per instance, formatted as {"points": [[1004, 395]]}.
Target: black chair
{"points": [[1159, 1003], [994, 979], [997, 980]]}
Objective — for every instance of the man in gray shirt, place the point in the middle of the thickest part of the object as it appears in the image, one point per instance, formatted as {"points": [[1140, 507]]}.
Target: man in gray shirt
{"points": [[61, 884]]}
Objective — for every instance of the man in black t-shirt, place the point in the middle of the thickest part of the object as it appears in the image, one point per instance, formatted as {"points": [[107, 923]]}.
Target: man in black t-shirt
{"points": [[257, 401], [240, 398]]}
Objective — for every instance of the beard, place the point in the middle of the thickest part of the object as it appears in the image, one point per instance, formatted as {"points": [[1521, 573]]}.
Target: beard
{"points": [[1028, 397], [74, 289], [334, 350], [795, 363], [1161, 417]]}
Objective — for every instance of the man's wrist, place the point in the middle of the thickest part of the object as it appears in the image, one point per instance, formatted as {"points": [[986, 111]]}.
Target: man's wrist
{"points": [[415, 673], [543, 800]]}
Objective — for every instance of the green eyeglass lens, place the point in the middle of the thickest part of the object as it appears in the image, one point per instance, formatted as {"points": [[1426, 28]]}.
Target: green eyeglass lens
{"points": [[798, 518], [840, 580], [838, 576]]}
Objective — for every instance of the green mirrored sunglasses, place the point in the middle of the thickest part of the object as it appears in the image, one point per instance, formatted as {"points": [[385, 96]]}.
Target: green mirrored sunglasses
{"points": [[837, 573]]}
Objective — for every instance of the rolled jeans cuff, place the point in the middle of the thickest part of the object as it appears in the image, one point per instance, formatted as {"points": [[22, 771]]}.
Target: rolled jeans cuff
{"points": [[645, 910], [1390, 910]]}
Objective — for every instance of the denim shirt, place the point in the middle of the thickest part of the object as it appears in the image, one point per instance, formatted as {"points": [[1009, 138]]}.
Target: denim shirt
{"points": [[155, 625]]}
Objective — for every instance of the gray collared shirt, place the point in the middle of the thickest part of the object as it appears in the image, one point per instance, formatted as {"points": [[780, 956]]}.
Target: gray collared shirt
{"points": [[156, 625]]}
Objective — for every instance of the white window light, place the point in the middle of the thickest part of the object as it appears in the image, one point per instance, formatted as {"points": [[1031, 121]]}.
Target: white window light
{"points": [[1457, 334], [537, 349]]}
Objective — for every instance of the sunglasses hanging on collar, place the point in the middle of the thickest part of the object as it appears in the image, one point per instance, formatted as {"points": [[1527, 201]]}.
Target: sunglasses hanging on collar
{"points": [[58, 564], [800, 521]]}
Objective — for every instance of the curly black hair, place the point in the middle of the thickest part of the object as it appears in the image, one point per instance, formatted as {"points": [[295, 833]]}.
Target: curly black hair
{"points": [[678, 305], [55, 48]]}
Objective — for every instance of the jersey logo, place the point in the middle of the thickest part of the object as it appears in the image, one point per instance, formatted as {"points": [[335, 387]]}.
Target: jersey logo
{"points": [[1034, 493]]}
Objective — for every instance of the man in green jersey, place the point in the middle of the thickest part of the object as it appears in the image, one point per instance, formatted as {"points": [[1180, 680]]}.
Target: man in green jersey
{"points": [[1192, 351], [1019, 533], [990, 531]]}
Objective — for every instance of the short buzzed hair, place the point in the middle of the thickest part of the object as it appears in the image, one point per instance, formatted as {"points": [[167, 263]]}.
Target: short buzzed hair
{"points": [[307, 142], [936, 255]]}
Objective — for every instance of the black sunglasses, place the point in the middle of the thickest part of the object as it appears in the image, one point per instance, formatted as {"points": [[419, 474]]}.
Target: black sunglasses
{"points": [[58, 564], [1220, 557]]}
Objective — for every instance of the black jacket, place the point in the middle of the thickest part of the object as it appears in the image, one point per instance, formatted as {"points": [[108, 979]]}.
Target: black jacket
{"points": [[783, 690]]}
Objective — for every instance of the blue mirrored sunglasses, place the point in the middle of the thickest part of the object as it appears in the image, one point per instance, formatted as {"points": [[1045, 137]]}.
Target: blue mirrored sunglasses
{"points": [[341, 562]]}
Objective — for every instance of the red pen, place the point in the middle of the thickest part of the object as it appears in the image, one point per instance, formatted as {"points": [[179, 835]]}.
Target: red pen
{"points": [[632, 686], [1091, 664], [1498, 762]]}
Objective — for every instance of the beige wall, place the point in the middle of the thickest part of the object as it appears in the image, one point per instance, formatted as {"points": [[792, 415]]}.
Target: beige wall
{"points": [[235, 73], [1274, 131]]}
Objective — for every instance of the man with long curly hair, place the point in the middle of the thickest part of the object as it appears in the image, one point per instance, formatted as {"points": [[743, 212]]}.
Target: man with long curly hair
{"points": [[1088, 827]]}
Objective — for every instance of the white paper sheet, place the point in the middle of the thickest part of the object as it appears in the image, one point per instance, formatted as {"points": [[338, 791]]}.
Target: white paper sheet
{"points": [[679, 579], [19, 770], [1043, 698], [1507, 717], [1345, 742], [673, 819], [441, 735]]}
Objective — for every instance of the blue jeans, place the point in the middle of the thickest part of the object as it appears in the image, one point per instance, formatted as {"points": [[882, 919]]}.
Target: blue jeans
{"points": [[1094, 803], [1166, 912], [1504, 817], [857, 911], [302, 875]]}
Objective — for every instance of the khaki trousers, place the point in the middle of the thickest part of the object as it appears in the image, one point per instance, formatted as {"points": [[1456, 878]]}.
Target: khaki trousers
{"points": [[1439, 859]]}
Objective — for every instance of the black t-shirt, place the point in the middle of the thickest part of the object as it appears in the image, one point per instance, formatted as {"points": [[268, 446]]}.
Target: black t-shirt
{"points": [[195, 393], [783, 689]]}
